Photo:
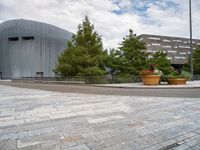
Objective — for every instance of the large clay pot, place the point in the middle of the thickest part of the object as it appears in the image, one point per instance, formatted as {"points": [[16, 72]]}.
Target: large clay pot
{"points": [[151, 79], [179, 81]]}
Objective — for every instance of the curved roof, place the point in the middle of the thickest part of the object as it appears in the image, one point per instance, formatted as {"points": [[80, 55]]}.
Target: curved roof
{"points": [[28, 47], [21, 27]]}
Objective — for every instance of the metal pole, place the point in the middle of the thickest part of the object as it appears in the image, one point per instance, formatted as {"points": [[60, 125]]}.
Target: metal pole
{"points": [[191, 46]]}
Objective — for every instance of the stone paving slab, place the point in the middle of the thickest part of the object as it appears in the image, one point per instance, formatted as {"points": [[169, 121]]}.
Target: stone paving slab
{"points": [[43, 120]]}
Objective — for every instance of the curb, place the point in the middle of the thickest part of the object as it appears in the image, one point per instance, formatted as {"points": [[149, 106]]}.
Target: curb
{"points": [[149, 87]]}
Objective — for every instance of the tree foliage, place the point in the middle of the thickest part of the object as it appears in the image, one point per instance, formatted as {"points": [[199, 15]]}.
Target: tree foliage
{"points": [[84, 55], [130, 57], [160, 59], [196, 61]]}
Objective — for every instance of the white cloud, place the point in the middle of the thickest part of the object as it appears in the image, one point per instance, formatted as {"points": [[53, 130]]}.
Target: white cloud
{"points": [[170, 20]]}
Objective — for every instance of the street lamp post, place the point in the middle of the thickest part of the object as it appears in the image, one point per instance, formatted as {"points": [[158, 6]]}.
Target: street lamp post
{"points": [[191, 46]]}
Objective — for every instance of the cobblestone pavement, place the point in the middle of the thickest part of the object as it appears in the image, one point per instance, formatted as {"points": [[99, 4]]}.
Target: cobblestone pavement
{"points": [[42, 120]]}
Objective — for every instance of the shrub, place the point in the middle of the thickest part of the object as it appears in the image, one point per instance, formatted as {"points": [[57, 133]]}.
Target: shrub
{"points": [[175, 74]]}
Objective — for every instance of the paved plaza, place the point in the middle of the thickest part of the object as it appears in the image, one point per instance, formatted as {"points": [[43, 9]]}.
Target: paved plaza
{"points": [[43, 120]]}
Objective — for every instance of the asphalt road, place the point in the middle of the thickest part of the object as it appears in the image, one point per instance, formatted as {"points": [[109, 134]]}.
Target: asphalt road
{"points": [[71, 88]]}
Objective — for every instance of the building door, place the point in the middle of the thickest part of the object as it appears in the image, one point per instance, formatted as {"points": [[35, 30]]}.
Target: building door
{"points": [[15, 55], [29, 60], [1, 75]]}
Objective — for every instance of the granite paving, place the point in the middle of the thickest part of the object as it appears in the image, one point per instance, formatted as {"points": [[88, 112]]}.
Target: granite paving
{"points": [[44, 120]]}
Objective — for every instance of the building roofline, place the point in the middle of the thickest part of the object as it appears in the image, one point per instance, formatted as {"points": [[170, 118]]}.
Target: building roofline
{"points": [[166, 36], [33, 21]]}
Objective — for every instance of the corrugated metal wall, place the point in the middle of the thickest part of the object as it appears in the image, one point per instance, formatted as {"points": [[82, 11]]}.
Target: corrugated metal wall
{"points": [[23, 58]]}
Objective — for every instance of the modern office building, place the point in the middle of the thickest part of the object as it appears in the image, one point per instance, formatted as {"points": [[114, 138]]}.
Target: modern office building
{"points": [[30, 48], [177, 49]]}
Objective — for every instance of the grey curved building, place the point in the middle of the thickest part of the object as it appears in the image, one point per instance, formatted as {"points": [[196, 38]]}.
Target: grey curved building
{"points": [[30, 48]]}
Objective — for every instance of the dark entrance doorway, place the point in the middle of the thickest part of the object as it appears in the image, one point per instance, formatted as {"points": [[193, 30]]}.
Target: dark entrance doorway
{"points": [[39, 74], [1, 75]]}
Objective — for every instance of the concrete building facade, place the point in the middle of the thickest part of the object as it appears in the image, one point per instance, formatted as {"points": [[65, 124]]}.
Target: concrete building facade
{"points": [[177, 49], [30, 48]]}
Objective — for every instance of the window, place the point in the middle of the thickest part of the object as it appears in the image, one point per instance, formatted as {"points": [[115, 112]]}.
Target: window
{"points": [[172, 51], [13, 38], [167, 46], [169, 58], [165, 40], [178, 57], [153, 38], [192, 42], [28, 38], [177, 41], [182, 53], [155, 44], [184, 46]]}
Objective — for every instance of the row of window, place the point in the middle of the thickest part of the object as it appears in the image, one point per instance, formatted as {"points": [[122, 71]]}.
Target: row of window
{"points": [[177, 40], [169, 46], [171, 51], [23, 38], [183, 58]]}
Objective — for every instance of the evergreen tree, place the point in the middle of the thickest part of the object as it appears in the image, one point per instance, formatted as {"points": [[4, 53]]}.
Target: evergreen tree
{"points": [[116, 62], [196, 61], [130, 57], [84, 55]]}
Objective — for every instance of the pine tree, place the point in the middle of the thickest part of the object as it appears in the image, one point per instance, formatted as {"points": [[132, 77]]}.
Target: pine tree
{"points": [[196, 61], [84, 55], [130, 57]]}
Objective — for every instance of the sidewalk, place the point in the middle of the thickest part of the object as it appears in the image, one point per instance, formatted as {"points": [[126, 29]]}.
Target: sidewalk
{"points": [[163, 85], [37, 119]]}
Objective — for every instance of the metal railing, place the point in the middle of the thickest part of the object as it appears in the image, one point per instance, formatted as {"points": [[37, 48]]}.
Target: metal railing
{"points": [[196, 77], [87, 79], [83, 79]]}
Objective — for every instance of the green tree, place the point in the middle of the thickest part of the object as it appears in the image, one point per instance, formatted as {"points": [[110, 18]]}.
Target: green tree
{"points": [[196, 61], [130, 57], [160, 59], [84, 55], [116, 62]]}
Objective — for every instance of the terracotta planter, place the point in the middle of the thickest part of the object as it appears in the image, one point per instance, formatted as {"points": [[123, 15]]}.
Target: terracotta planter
{"points": [[180, 81], [151, 79]]}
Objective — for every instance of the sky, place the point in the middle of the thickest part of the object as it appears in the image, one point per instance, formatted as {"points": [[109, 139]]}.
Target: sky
{"points": [[112, 19]]}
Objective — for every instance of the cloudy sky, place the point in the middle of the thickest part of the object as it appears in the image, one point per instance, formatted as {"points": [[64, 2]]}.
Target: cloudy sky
{"points": [[112, 18]]}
